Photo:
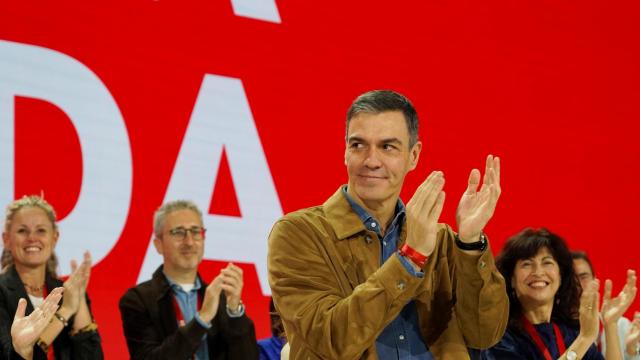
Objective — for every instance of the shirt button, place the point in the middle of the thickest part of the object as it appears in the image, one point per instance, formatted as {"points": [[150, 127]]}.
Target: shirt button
{"points": [[482, 264], [401, 337], [384, 243], [401, 285], [367, 239], [373, 225]]}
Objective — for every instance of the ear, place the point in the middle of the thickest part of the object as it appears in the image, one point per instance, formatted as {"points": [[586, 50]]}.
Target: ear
{"points": [[56, 235], [346, 152], [157, 243], [414, 155]]}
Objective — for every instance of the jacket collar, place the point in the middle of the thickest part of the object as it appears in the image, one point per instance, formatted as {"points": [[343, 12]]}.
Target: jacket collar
{"points": [[344, 220], [14, 284], [341, 216]]}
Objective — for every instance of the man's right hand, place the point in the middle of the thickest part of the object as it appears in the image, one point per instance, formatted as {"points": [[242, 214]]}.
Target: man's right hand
{"points": [[423, 212], [211, 300]]}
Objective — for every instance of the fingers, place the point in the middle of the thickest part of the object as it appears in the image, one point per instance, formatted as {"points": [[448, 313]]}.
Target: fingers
{"points": [[494, 169], [22, 307], [595, 302], [232, 278], [630, 286], [608, 285], [589, 298], [53, 298], [74, 266], [87, 257], [437, 207], [474, 181], [426, 195]]}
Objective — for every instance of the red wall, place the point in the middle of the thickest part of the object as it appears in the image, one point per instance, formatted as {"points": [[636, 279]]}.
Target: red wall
{"points": [[550, 86]]}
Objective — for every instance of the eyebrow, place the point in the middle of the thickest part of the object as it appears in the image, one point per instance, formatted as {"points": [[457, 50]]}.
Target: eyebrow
{"points": [[392, 140]]}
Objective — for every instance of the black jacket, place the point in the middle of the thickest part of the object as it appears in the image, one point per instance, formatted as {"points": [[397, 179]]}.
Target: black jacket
{"points": [[82, 346], [152, 332]]}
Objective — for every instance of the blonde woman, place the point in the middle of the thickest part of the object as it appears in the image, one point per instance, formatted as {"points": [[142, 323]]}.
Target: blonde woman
{"points": [[29, 271]]}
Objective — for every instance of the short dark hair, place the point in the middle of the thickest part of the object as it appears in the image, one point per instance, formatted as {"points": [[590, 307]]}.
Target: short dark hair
{"points": [[581, 255], [378, 101], [525, 245]]}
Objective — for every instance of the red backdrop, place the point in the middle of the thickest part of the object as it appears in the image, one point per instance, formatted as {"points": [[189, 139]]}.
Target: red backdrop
{"points": [[550, 86]]}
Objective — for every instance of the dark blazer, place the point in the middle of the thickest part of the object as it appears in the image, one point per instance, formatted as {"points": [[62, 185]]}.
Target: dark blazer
{"points": [[152, 332], [82, 346]]}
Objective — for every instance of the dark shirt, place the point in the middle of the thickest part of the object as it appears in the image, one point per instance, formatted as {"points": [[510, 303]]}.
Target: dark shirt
{"points": [[401, 339], [519, 345]]}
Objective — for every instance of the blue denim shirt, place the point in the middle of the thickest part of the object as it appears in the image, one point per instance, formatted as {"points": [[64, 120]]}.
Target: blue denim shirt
{"points": [[401, 339], [188, 302]]}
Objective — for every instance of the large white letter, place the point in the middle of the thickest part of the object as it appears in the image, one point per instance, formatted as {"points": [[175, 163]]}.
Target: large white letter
{"points": [[97, 220], [221, 117], [266, 10]]}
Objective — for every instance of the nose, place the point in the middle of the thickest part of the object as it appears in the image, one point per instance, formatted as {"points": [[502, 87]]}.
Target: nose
{"points": [[536, 269], [372, 159], [188, 237]]}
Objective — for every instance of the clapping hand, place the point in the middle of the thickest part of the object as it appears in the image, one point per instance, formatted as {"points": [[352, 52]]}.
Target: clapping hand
{"points": [[25, 330], [76, 286], [613, 309], [588, 312], [232, 285], [476, 207]]}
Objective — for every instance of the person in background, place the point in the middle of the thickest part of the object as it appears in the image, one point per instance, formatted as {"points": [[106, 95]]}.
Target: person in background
{"points": [[271, 347], [29, 271], [548, 316], [176, 315], [628, 331]]}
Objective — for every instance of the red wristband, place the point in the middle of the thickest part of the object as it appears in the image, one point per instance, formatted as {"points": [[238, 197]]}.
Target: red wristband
{"points": [[413, 255]]}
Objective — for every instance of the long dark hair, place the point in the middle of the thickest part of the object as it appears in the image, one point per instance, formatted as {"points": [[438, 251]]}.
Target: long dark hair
{"points": [[525, 245]]}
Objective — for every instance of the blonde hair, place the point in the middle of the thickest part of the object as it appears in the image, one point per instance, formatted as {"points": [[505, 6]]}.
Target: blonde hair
{"points": [[34, 201]]}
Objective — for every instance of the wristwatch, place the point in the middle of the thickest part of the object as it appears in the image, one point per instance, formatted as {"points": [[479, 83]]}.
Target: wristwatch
{"points": [[571, 355], [477, 245]]}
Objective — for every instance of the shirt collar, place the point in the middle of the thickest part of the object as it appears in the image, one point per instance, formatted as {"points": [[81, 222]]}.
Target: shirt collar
{"points": [[369, 221], [176, 287]]}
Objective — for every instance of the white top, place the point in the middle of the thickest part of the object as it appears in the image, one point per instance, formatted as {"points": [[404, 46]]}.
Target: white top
{"points": [[623, 328], [36, 300]]}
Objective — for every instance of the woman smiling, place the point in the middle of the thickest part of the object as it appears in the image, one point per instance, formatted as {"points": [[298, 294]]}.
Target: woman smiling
{"points": [[550, 317], [29, 271]]}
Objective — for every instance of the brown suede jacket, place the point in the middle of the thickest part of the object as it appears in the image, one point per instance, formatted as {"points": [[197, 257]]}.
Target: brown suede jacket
{"points": [[335, 298]]}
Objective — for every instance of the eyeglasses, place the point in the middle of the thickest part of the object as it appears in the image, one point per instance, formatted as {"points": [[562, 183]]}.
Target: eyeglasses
{"points": [[180, 233]]}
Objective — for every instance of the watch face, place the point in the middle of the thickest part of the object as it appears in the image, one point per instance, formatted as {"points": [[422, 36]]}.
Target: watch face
{"points": [[571, 355]]}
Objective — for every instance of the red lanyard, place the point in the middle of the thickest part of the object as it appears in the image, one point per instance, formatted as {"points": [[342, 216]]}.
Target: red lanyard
{"points": [[180, 316], [50, 354], [538, 340], [176, 308]]}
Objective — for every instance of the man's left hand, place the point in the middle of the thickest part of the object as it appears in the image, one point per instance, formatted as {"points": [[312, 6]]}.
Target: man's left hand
{"points": [[476, 207], [232, 285]]}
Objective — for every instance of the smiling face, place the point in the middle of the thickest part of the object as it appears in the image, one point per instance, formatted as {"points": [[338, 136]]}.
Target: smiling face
{"points": [[182, 254], [378, 157], [536, 280], [31, 237]]}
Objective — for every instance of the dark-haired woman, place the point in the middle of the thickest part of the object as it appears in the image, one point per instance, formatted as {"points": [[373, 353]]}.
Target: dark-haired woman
{"points": [[548, 316]]}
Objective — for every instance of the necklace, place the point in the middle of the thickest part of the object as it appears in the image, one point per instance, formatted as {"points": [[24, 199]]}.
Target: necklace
{"points": [[34, 289]]}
